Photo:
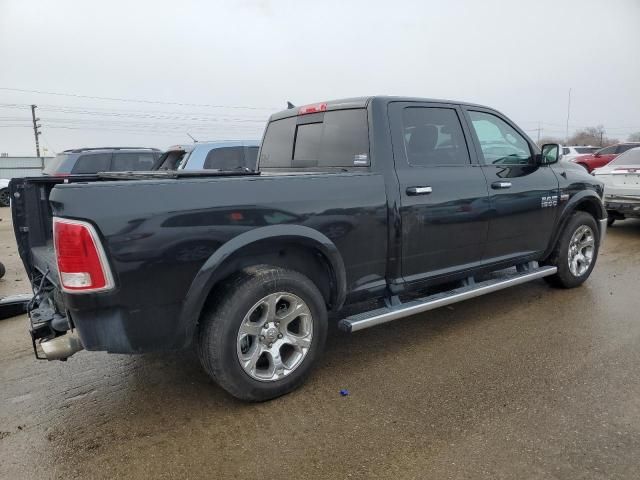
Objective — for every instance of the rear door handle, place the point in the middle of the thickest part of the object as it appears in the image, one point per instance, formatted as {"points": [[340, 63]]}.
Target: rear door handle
{"points": [[498, 185], [419, 190]]}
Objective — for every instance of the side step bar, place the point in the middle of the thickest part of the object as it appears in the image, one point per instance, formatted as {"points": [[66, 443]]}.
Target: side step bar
{"points": [[470, 290]]}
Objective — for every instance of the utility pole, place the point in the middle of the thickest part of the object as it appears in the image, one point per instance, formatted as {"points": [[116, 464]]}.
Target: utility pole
{"points": [[539, 130], [36, 126], [566, 138]]}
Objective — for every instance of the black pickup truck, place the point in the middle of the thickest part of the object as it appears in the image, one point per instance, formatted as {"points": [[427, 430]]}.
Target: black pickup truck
{"points": [[363, 211]]}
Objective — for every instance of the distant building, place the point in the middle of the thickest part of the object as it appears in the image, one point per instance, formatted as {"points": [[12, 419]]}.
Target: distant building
{"points": [[11, 167]]}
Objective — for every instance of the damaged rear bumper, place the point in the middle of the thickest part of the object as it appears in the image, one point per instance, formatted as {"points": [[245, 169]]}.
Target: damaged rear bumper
{"points": [[52, 335]]}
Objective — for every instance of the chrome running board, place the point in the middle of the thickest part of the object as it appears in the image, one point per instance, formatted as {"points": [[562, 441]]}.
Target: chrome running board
{"points": [[472, 289]]}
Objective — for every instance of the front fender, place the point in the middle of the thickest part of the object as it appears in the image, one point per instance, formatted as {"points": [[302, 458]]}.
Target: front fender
{"points": [[210, 273], [577, 202]]}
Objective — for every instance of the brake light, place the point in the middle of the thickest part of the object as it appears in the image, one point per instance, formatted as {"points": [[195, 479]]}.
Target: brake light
{"points": [[82, 264], [318, 107]]}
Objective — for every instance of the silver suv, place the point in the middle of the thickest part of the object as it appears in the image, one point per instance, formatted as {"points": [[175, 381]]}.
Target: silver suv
{"points": [[108, 159], [217, 155]]}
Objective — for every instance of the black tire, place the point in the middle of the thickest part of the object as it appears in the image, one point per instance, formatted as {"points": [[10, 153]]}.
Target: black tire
{"points": [[219, 326], [2, 270], [610, 220], [4, 197], [564, 278]]}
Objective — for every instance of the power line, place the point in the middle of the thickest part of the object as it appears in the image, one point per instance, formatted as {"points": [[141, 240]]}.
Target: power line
{"points": [[146, 114], [164, 131], [49, 146], [132, 100]]}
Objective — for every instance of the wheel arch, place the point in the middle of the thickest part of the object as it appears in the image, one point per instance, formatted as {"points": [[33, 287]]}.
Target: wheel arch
{"points": [[296, 247], [585, 201]]}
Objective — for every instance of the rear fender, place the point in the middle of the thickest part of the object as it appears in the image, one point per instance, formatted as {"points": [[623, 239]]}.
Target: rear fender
{"points": [[211, 272]]}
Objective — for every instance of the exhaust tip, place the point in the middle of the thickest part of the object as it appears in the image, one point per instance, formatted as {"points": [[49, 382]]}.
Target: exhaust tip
{"points": [[61, 348]]}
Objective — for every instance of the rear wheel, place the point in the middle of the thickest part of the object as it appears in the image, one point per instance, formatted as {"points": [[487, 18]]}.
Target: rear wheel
{"points": [[262, 338], [4, 197], [576, 251]]}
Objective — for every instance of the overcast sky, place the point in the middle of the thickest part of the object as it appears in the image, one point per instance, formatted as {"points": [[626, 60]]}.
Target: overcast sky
{"points": [[252, 56]]}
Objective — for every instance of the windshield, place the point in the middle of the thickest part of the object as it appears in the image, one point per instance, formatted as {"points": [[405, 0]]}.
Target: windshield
{"points": [[586, 149], [630, 158], [52, 166], [170, 160]]}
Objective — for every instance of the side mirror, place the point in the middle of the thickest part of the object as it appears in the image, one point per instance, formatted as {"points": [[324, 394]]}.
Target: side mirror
{"points": [[550, 153]]}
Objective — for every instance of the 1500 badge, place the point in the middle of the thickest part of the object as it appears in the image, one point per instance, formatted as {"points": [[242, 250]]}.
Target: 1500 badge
{"points": [[551, 201]]}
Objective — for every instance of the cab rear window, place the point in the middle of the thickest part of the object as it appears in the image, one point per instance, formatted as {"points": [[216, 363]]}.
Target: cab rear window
{"points": [[336, 138]]}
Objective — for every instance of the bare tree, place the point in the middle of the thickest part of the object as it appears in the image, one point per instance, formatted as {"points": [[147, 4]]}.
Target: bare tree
{"points": [[592, 136], [544, 140], [589, 136], [634, 137]]}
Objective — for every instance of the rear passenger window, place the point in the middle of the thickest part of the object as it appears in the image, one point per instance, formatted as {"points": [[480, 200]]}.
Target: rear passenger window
{"points": [[92, 163], [338, 138], [225, 158], [433, 136], [132, 161]]}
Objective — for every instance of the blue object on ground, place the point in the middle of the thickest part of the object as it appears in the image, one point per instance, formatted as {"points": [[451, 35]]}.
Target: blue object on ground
{"points": [[344, 393]]}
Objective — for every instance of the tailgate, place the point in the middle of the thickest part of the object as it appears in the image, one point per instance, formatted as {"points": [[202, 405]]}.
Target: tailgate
{"points": [[33, 223]]}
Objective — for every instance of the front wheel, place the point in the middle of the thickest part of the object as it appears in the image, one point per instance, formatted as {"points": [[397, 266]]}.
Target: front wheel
{"points": [[576, 251], [263, 336]]}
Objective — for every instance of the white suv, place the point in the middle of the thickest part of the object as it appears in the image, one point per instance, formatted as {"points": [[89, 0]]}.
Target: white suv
{"points": [[573, 151]]}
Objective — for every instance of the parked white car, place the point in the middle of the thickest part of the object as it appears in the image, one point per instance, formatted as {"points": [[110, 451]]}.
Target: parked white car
{"points": [[4, 192], [621, 179], [570, 152]]}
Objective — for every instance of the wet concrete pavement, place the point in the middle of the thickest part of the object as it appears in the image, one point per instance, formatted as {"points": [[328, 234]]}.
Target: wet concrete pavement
{"points": [[528, 383]]}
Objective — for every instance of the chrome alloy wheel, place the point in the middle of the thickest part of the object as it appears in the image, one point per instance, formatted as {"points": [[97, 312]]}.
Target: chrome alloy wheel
{"points": [[275, 336], [581, 249]]}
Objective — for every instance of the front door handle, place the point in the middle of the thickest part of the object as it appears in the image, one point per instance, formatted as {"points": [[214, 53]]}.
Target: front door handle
{"points": [[498, 185], [419, 190]]}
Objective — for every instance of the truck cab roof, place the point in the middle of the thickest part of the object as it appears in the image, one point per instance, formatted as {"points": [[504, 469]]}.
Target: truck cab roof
{"points": [[359, 102]]}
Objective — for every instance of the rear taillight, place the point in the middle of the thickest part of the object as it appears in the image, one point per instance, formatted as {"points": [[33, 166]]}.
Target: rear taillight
{"points": [[82, 264]]}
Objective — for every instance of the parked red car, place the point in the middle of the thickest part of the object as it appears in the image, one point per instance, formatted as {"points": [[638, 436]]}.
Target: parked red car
{"points": [[603, 156]]}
